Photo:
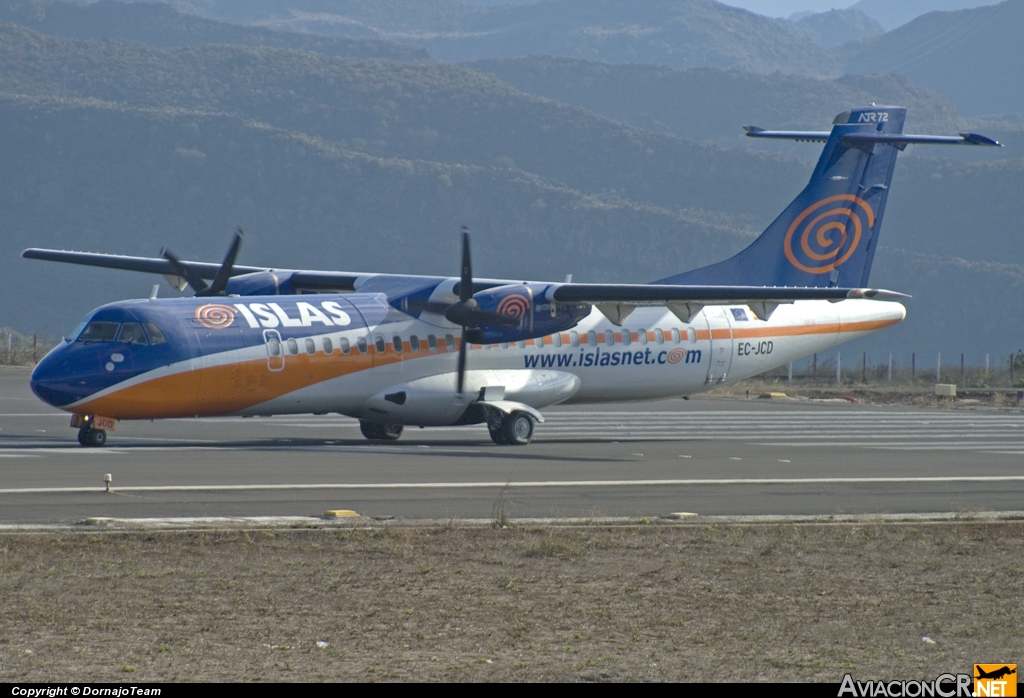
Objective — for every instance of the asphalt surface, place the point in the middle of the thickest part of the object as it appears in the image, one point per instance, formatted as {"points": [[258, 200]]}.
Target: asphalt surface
{"points": [[710, 456]]}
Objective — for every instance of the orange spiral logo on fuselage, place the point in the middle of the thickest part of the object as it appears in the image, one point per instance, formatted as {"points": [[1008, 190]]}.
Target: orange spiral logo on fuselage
{"points": [[215, 315], [514, 306], [832, 234], [676, 355]]}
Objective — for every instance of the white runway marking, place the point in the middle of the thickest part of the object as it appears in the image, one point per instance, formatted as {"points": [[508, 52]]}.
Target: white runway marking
{"points": [[988, 479]]}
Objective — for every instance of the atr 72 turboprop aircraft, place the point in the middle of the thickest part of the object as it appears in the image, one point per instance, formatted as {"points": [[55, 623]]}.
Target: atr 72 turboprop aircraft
{"points": [[395, 350]]}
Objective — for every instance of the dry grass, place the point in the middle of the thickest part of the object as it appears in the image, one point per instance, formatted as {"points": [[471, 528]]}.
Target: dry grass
{"points": [[454, 603]]}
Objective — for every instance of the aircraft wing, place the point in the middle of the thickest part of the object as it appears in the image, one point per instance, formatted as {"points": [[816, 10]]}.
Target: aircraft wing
{"points": [[300, 280], [616, 301]]}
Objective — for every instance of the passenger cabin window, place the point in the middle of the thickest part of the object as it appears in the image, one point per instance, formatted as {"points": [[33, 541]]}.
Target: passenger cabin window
{"points": [[449, 342], [592, 338], [293, 347], [378, 342], [627, 338], [574, 338], [659, 336], [675, 335], [432, 342], [361, 343], [609, 338], [328, 346], [274, 346], [396, 342], [310, 347], [345, 346], [155, 335], [556, 339], [691, 335], [642, 336], [99, 332], [131, 333], [414, 343], [521, 344]]}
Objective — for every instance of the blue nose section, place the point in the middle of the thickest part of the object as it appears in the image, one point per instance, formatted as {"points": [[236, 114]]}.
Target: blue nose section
{"points": [[55, 380]]}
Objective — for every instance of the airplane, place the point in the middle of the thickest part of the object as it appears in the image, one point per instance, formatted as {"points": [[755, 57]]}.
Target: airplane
{"points": [[402, 350]]}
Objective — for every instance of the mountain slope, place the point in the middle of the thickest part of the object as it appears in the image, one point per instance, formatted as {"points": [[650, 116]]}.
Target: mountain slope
{"points": [[973, 58], [677, 33], [162, 25], [710, 104]]}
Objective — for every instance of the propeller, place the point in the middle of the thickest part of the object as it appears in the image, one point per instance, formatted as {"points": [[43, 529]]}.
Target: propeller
{"points": [[466, 312], [220, 281]]}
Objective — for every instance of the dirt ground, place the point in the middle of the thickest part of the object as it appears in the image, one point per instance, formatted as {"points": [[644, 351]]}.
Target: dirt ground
{"points": [[679, 602]]}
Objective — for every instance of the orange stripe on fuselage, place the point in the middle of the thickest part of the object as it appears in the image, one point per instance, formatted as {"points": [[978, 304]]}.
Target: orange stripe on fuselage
{"points": [[230, 388]]}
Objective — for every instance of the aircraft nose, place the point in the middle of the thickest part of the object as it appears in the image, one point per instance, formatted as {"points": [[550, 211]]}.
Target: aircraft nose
{"points": [[52, 380]]}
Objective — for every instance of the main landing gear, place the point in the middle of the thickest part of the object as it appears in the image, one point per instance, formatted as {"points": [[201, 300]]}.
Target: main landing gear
{"points": [[375, 431], [92, 437], [515, 429]]}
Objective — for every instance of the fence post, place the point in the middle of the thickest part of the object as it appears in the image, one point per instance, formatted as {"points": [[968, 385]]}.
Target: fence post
{"points": [[814, 371], [961, 370], [1011, 369], [10, 348], [34, 341], [913, 367], [864, 369], [888, 376], [986, 365], [789, 373], [839, 372], [938, 367]]}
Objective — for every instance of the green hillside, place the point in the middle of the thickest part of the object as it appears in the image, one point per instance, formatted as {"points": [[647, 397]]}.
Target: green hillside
{"points": [[433, 112]]}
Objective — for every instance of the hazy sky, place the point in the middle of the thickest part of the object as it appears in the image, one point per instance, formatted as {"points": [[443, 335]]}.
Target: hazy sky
{"points": [[784, 8]]}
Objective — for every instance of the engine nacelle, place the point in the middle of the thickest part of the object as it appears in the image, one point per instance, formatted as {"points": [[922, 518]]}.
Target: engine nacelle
{"points": [[261, 283], [527, 303], [432, 400]]}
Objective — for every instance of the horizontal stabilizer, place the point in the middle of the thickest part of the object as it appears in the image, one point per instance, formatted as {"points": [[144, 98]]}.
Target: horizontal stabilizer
{"points": [[897, 139]]}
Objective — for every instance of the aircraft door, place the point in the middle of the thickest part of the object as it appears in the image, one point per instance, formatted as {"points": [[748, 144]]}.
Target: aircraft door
{"points": [[719, 323], [275, 350]]}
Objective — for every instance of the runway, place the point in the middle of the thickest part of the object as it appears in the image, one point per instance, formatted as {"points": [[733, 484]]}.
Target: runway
{"points": [[708, 456]]}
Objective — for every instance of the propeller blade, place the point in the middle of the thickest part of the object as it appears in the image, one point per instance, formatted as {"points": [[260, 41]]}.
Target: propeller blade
{"points": [[220, 282], [185, 272], [466, 287], [462, 360]]}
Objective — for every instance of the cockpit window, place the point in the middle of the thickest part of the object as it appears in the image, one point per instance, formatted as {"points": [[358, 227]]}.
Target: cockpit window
{"points": [[74, 334], [131, 333], [99, 332], [155, 335]]}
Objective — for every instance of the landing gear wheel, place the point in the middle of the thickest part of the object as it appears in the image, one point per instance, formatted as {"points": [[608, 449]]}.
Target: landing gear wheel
{"points": [[375, 431], [497, 434], [92, 437], [517, 429]]}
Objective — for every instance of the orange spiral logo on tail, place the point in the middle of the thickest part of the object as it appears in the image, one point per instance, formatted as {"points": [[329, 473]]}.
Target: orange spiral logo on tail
{"points": [[514, 306], [215, 315], [827, 233]]}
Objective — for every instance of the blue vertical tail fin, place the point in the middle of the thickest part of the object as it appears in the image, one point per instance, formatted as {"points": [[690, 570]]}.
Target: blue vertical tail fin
{"points": [[828, 235]]}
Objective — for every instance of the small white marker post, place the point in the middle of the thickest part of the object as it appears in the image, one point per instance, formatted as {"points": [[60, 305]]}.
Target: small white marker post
{"points": [[107, 479]]}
